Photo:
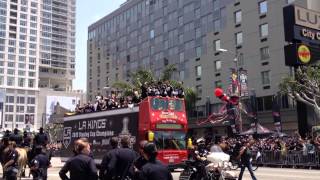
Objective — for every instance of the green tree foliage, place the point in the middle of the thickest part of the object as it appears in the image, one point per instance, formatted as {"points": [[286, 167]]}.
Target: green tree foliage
{"points": [[304, 87]]}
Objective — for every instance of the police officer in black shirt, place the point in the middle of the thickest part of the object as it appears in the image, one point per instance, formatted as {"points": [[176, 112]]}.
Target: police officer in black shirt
{"points": [[41, 138], [120, 165], [40, 164], [26, 140], [81, 166], [11, 162], [16, 137], [153, 169], [141, 160], [104, 173]]}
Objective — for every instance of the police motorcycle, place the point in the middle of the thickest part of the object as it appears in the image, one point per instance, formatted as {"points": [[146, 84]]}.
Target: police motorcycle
{"points": [[217, 167]]}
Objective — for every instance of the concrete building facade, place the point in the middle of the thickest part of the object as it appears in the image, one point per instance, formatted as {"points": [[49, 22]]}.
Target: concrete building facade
{"points": [[36, 50], [151, 34]]}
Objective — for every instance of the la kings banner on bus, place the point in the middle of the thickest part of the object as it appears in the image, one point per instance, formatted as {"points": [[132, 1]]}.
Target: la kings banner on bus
{"points": [[99, 131]]}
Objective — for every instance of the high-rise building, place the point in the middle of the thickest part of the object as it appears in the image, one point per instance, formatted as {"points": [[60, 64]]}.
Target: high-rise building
{"points": [[151, 34], [37, 44]]}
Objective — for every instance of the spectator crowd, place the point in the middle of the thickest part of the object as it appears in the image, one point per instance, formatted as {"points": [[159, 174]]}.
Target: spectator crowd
{"points": [[117, 100]]}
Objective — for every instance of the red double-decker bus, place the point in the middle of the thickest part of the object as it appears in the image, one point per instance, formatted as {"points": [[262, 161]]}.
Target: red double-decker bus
{"points": [[161, 120], [164, 121]]}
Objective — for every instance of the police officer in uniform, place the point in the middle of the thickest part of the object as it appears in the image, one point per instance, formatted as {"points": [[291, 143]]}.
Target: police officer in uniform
{"points": [[16, 137], [40, 165], [41, 138], [104, 173], [141, 160], [120, 166], [11, 163], [200, 156], [26, 140], [153, 169], [81, 166]]}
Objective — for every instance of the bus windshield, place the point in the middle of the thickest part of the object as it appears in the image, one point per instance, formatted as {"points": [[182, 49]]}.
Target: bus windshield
{"points": [[162, 104], [170, 140]]}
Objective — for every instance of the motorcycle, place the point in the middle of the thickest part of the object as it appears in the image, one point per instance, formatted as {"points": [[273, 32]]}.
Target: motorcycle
{"points": [[215, 167]]}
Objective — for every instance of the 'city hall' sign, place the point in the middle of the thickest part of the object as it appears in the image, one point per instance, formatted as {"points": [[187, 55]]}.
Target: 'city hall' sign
{"points": [[301, 24]]}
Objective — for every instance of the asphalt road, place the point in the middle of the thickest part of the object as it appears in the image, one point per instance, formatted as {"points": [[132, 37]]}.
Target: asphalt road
{"points": [[261, 174]]}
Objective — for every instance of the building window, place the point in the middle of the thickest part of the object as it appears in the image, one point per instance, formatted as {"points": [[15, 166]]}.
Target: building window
{"points": [[181, 75], [180, 21], [199, 91], [263, 7], [31, 100], [290, 1], [21, 82], [31, 83], [216, 25], [239, 39], [9, 99], [9, 117], [152, 34], [218, 84], [217, 65], [30, 109], [181, 57], [240, 59], [198, 51], [264, 30], [20, 100], [197, 13], [165, 27], [264, 53], [238, 17], [265, 75], [198, 33], [9, 108], [217, 45], [198, 71], [10, 81], [181, 41]]}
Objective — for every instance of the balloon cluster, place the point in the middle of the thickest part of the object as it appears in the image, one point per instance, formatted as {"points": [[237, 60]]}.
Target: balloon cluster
{"points": [[218, 92]]}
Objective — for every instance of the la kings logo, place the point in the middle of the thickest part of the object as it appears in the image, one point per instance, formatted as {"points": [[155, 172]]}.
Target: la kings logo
{"points": [[66, 136]]}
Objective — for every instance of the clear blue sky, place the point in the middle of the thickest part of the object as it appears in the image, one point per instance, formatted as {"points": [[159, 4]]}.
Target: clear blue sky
{"points": [[88, 11]]}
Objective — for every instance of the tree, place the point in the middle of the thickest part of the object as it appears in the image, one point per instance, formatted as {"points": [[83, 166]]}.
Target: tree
{"points": [[304, 87], [190, 100]]}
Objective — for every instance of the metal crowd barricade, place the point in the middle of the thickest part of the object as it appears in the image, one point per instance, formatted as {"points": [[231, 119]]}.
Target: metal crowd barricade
{"points": [[289, 158]]}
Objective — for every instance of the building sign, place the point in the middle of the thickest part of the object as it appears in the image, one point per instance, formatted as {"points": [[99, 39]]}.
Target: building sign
{"points": [[301, 24], [307, 18], [301, 54], [304, 54], [302, 30]]}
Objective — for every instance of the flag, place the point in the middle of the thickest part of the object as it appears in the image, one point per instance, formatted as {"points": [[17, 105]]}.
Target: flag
{"points": [[243, 78], [276, 113]]}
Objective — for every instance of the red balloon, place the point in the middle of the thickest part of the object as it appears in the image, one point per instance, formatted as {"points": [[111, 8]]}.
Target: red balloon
{"points": [[218, 92]]}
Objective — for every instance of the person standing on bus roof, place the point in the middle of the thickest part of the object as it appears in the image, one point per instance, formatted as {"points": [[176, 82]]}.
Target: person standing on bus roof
{"points": [[104, 173], [153, 169], [120, 165], [81, 166]]}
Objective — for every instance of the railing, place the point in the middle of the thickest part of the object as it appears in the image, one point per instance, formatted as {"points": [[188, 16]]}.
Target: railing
{"points": [[290, 158]]}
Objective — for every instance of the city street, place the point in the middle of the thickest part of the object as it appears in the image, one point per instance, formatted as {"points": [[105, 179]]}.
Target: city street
{"points": [[261, 173]]}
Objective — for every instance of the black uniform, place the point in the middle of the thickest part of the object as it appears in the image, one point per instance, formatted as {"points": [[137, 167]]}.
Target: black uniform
{"points": [[12, 170], [41, 164], [154, 170], [16, 138], [120, 165], [41, 139], [81, 167], [26, 141], [104, 172]]}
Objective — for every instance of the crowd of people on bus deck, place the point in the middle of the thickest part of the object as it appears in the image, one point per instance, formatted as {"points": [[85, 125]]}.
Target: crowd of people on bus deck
{"points": [[103, 103]]}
